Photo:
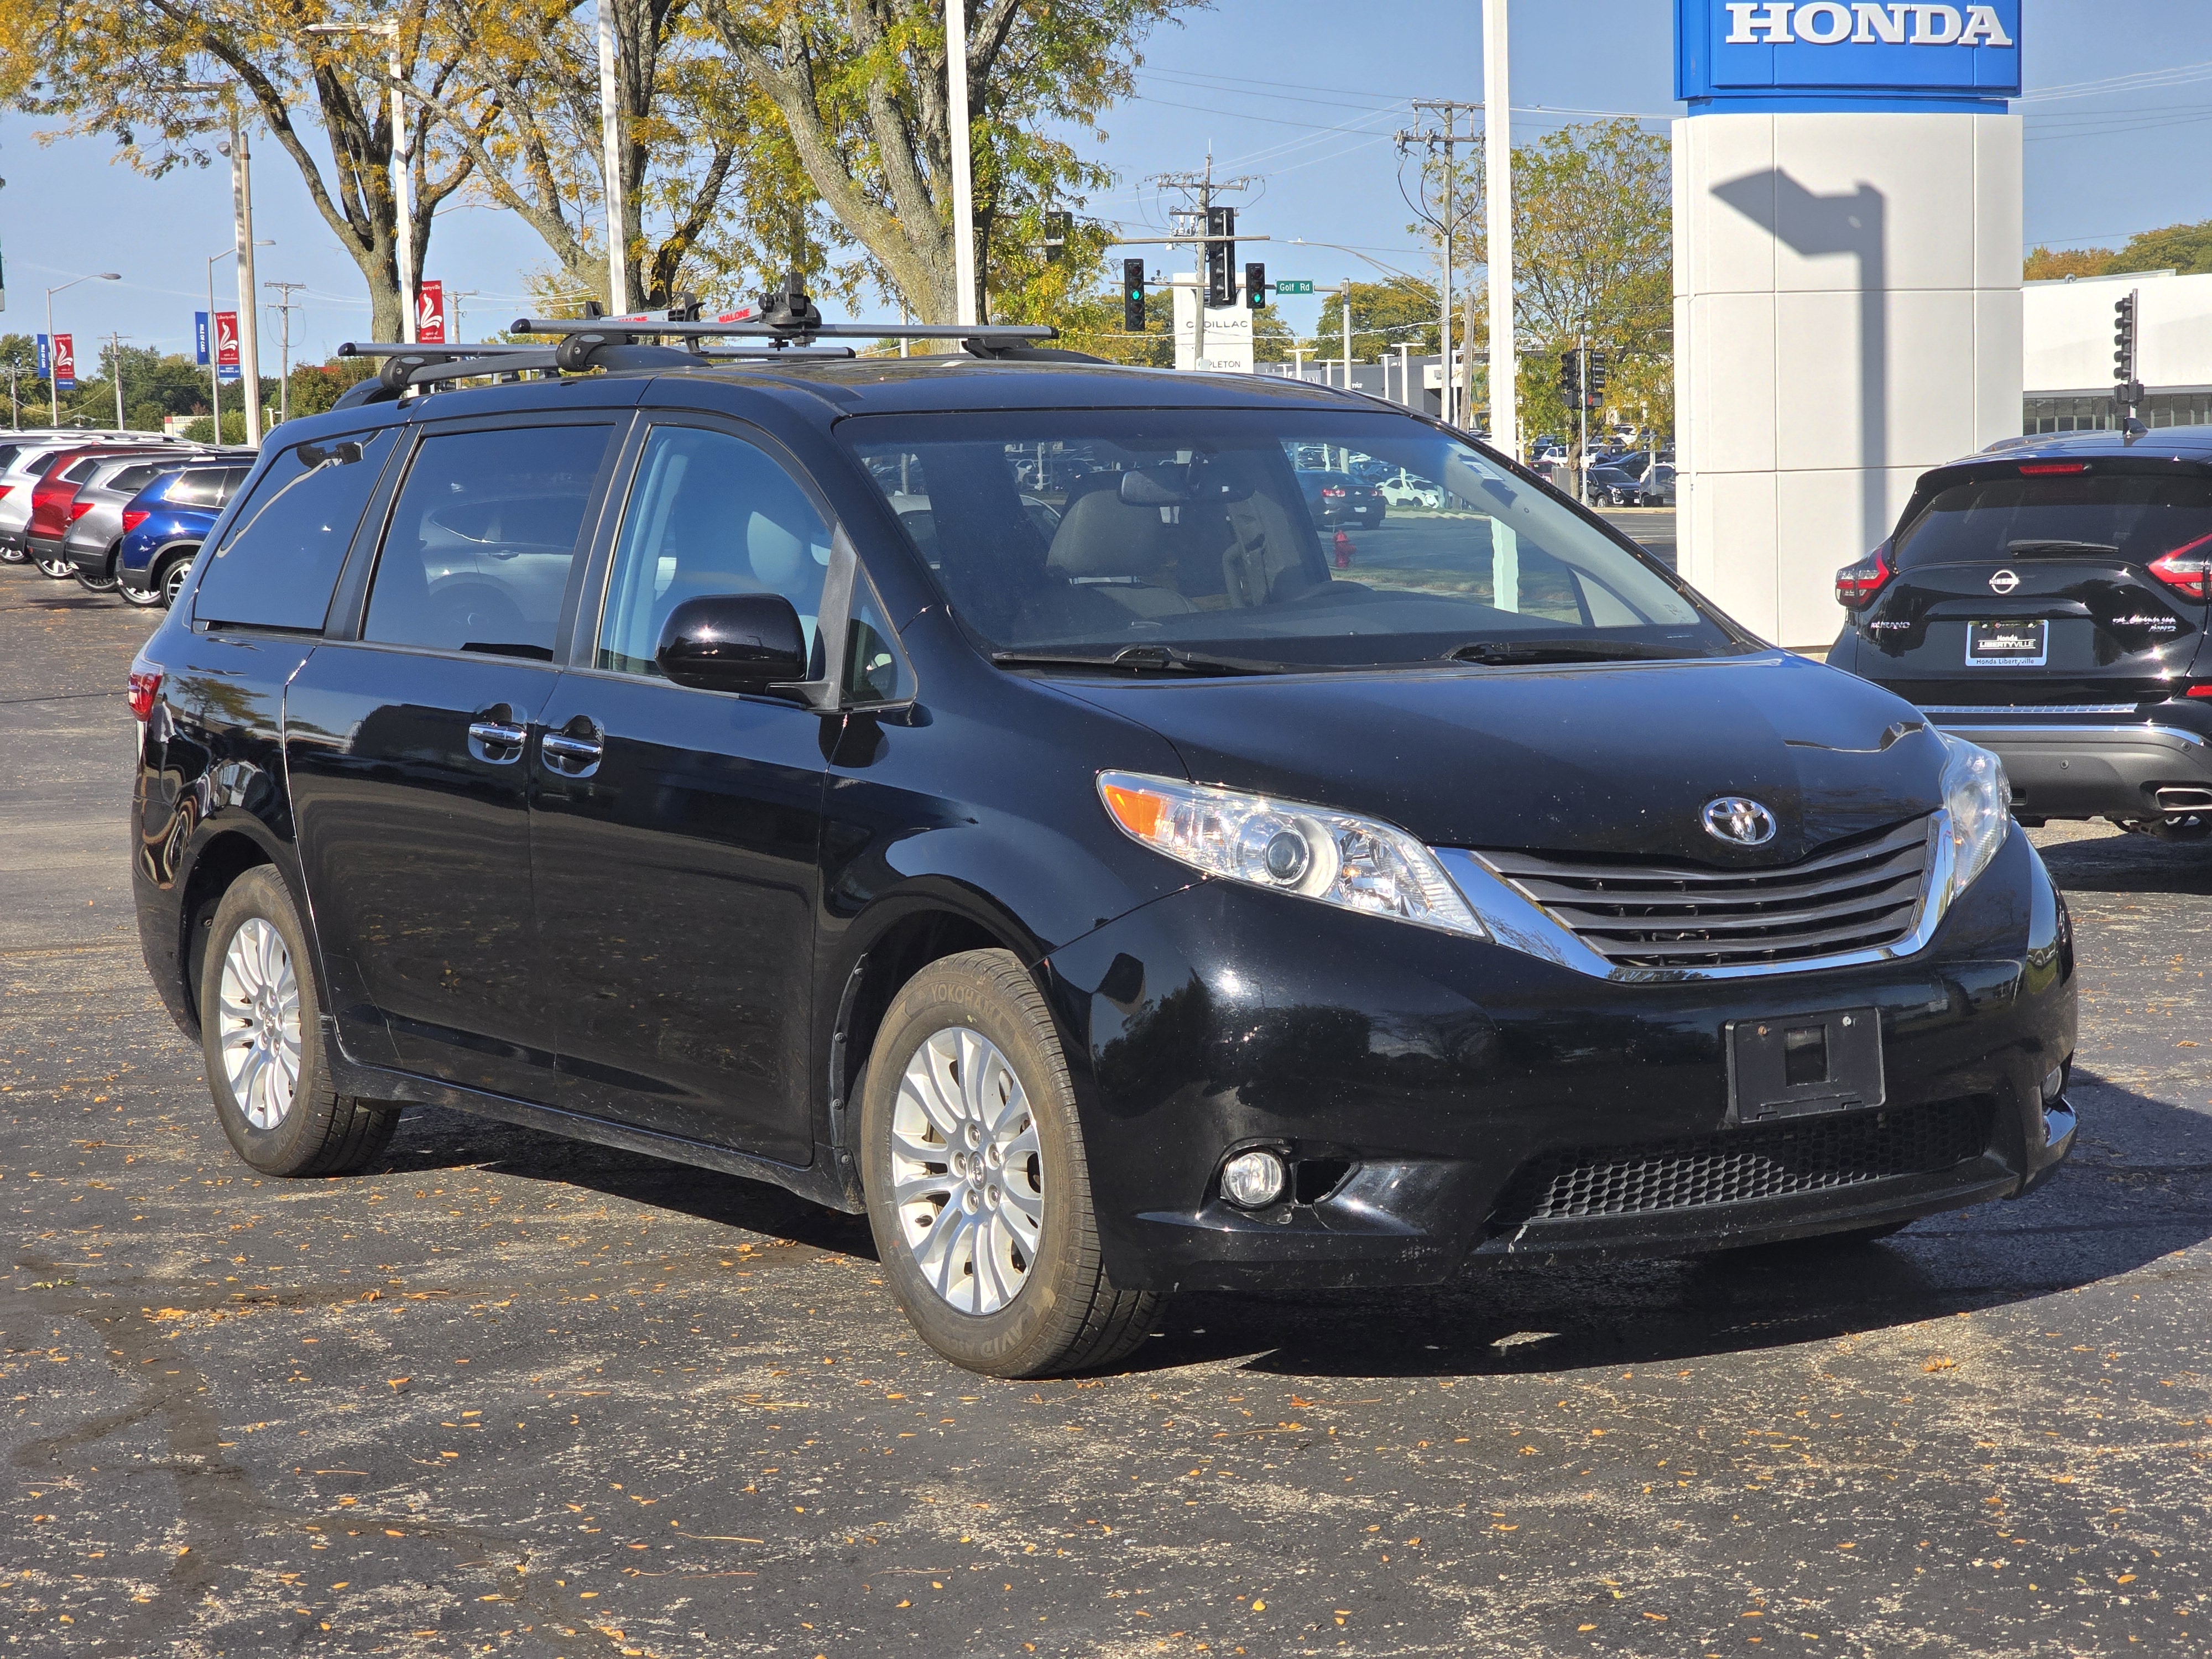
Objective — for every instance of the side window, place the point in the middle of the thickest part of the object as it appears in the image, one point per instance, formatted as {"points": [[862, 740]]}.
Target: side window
{"points": [[875, 668], [193, 489], [228, 486], [83, 470], [478, 553], [710, 514], [280, 558], [134, 477]]}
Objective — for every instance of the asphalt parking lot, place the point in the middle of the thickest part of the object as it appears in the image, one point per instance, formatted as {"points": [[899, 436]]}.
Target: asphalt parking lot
{"points": [[565, 1400]]}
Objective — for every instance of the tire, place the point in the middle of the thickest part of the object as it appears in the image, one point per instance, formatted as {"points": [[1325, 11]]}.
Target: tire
{"points": [[57, 568], [143, 599], [93, 584], [288, 1120], [12, 556], [1032, 1301], [171, 581]]}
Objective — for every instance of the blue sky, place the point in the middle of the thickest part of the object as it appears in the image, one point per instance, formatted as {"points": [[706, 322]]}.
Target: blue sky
{"points": [[1304, 93]]}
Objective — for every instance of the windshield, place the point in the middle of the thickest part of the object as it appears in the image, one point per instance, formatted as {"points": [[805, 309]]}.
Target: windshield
{"points": [[1273, 539], [2137, 516]]}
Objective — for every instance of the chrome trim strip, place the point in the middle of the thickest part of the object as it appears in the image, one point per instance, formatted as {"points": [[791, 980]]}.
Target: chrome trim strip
{"points": [[2146, 732], [1521, 924], [2031, 708]]}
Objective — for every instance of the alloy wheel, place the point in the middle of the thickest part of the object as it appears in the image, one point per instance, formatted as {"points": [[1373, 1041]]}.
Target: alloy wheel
{"points": [[57, 568], [258, 1020], [173, 579], [967, 1171]]}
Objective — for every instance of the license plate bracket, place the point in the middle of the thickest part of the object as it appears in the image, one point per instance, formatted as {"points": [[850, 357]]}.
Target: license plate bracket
{"points": [[1794, 1066], [2008, 644]]}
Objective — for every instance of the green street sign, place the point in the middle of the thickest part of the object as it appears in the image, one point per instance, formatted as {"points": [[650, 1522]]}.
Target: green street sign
{"points": [[1293, 288]]}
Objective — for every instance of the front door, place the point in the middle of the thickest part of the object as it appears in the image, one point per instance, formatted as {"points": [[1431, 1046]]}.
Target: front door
{"points": [[676, 832], [410, 752]]}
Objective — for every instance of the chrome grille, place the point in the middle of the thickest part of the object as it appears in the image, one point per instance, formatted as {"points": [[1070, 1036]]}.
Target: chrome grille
{"points": [[1809, 1156], [1853, 895]]}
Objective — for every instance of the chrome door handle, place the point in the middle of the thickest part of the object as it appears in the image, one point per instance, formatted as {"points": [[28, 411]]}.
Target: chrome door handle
{"points": [[575, 757], [486, 737]]}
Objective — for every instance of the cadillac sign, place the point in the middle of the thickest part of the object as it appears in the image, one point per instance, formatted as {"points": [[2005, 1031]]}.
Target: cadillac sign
{"points": [[1846, 54]]}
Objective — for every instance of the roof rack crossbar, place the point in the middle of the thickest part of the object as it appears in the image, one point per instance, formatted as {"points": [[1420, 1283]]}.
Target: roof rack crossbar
{"points": [[751, 328]]}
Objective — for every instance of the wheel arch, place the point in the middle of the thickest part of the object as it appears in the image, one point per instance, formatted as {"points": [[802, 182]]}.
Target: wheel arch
{"points": [[230, 850]]}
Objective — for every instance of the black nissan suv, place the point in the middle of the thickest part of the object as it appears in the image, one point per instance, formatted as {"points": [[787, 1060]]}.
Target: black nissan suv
{"points": [[975, 791], [2045, 598]]}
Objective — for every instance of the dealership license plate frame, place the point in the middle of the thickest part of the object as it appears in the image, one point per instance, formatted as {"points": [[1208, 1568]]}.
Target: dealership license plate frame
{"points": [[1764, 1053], [1980, 635]]}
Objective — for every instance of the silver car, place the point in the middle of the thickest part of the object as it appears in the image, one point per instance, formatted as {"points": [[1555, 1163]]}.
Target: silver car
{"points": [[95, 536], [24, 456]]}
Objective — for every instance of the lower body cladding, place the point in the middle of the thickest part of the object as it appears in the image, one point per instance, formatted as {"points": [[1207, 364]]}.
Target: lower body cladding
{"points": [[2129, 772], [1434, 1101]]}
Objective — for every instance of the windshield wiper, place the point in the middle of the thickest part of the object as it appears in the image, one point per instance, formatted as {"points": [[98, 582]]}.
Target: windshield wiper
{"points": [[2058, 544], [1140, 659], [1501, 653]]}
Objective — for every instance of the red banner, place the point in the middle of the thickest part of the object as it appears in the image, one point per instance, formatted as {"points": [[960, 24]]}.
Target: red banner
{"points": [[430, 313], [65, 362], [225, 344]]}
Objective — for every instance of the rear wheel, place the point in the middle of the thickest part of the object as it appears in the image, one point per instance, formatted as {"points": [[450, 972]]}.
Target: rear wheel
{"points": [[978, 1188], [173, 576], [140, 596], [260, 1033], [57, 568], [93, 584], [11, 556]]}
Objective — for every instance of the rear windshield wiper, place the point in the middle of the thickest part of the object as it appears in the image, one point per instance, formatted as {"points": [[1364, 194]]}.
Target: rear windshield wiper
{"points": [[1141, 659], [2057, 544], [1500, 653]]}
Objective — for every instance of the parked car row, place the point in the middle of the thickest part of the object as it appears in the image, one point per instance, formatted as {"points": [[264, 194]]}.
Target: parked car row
{"points": [[120, 512]]}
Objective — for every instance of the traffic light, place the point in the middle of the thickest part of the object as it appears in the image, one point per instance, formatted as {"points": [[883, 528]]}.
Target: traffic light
{"points": [[1597, 378], [1570, 377], [1133, 296], [1220, 256], [1255, 286], [1056, 228], [2127, 388]]}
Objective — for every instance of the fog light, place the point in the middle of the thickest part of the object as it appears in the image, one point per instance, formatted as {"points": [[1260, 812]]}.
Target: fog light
{"points": [[1250, 1180], [2054, 1084]]}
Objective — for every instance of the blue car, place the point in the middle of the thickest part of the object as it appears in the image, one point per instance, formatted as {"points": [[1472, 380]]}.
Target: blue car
{"points": [[164, 525]]}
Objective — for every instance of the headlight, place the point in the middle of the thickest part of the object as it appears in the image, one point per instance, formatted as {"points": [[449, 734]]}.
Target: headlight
{"points": [[1978, 796], [1331, 857]]}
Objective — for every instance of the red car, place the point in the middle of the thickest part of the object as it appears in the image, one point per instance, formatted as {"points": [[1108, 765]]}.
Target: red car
{"points": [[53, 504]]}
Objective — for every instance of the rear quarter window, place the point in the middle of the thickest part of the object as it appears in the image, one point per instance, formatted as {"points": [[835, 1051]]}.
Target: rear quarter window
{"points": [[280, 558], [2141, 515], [194, 489]]}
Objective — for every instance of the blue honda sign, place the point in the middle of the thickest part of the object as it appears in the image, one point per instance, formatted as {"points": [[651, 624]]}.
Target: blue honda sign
{"points": [[1845, 55]]}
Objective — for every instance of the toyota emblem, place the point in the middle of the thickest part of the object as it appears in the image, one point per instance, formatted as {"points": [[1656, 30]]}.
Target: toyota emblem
{"points": [[2004, 582], [1733, 818]]}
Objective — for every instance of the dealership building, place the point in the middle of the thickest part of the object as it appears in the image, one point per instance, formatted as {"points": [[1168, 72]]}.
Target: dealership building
{"points": [[2067, 364]]}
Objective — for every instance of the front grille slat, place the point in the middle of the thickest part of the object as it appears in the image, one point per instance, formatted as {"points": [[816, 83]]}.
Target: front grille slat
{"points": [[1862, 893], [1735, 1166]]}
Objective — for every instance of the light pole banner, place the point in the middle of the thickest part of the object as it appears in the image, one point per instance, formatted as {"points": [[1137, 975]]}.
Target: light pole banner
{"points": [[225, 344], [65, 362], [430, 313], [200, 338], [43, 359]]}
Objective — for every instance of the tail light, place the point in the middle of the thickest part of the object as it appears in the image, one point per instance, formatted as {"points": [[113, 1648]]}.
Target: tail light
{"points": [[145, 686], [2187, 570], [1333, 491], [78, 509], [2045, 469], [1857, 584], [133, 517]]}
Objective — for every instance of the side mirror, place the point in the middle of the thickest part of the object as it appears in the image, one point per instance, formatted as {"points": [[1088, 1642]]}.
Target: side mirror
{"points": [[733, 642]]}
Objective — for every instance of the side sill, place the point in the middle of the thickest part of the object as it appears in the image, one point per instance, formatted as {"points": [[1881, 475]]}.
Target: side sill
{"points": [[376, 1083]]}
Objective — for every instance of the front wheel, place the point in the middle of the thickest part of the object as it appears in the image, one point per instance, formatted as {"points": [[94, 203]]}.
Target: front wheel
{"points": [[978, 1187], [260, 1033]]}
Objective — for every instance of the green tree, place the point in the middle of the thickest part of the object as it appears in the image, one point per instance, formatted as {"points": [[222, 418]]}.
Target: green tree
{"points": [[1383, 315], [2045, 264], [2186, 249]]}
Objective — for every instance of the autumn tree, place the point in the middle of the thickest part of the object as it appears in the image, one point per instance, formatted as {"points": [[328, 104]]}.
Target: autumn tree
{"points": [[121, 69], [2045, 264], [859, 88], [1383, 315]]}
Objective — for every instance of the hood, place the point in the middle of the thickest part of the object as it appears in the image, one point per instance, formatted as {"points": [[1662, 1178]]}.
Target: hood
{"points": [[1614, 758]]}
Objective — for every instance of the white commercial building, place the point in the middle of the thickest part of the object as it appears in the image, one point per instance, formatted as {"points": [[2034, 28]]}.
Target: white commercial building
{"points": [[2068, 329]]}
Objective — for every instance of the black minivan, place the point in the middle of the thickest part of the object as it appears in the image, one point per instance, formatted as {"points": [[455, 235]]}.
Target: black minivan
{"points": [[2046, 600], [975, 791]]}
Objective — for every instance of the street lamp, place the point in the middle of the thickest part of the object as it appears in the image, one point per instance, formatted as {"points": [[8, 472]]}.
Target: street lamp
{"points": [[404, 153], [241, 209], [963, 183], [53, 365]]}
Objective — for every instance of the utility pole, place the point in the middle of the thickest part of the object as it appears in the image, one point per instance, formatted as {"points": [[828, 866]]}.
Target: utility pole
{"points": [[1498, 156], [453, 298], [1344, 316], [284, 310], [1195, 225], [115, 367], [249, 332], [610, 162], [963, 172], [1405, 374], [1447, 141]]}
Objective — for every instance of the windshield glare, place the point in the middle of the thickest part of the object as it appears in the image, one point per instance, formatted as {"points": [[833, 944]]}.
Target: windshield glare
{"points": [[1310, 540]]}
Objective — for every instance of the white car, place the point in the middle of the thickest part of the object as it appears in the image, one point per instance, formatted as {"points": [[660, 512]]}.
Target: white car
{"points": [[1407, 490]]}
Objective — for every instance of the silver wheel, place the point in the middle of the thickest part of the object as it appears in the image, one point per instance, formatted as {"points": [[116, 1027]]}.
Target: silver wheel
{"points": [[258, 1022], [967, 1171], [173, 579]]}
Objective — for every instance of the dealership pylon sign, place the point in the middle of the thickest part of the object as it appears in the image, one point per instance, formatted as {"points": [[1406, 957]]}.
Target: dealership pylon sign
{"points": [[1836, 54]]}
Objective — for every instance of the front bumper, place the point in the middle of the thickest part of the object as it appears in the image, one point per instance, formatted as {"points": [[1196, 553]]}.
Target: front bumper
{"points": [[1443, 1101], [2095, 766]]}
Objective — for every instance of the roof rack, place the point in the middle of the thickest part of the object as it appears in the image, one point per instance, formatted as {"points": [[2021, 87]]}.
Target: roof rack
{"points": [[785, 319]]}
